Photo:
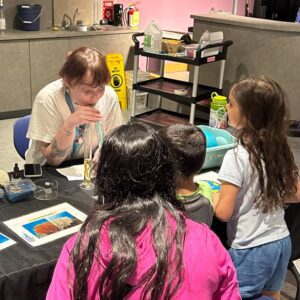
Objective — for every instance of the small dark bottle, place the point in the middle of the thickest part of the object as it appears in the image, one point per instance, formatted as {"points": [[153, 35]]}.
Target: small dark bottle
{"points": [[16, 175]]}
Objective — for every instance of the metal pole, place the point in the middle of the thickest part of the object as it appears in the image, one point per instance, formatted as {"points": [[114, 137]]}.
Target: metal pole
{"points": [[161, 74], [135, 76], [192, 113], [221, 78], [235, 6]]}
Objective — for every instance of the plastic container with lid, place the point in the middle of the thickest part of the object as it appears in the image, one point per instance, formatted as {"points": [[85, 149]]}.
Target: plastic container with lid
{"points": [[220, 141], [19, 190], [218, 113], [153, 37], [46, 189]]}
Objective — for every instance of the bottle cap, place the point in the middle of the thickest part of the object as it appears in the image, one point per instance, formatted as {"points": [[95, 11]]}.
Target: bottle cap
{"points": [[215, 96]]}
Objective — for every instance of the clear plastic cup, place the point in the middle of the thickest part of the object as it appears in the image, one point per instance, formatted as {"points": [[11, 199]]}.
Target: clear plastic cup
{"points": [[46, 189]]}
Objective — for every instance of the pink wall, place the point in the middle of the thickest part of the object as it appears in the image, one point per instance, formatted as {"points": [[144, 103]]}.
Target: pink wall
{"points": [[175, 14]]}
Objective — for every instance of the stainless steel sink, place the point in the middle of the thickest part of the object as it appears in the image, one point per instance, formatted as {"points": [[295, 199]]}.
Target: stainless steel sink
{"points": [[80, 28]]}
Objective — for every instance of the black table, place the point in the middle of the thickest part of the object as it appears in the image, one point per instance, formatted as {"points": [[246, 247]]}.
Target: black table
{"points": [[25, 271]]}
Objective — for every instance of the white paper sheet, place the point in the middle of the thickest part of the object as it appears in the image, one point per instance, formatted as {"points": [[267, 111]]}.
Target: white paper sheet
{"points": [[5, 241], [211, 177], [47, 225], [297, 265], [72, 173]]}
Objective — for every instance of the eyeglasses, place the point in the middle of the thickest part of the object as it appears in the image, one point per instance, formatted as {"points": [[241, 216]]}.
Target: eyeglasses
{"points": [[88, 90]]}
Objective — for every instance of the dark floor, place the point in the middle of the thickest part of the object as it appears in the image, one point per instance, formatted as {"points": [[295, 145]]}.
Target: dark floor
{"points": [[289, 290]]}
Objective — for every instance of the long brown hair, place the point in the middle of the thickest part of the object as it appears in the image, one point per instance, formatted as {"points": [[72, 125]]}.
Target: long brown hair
{"points": [[263, 106]]}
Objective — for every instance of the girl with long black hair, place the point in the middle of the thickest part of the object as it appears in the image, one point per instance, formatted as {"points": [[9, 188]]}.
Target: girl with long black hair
{"points": [[136, 243]]}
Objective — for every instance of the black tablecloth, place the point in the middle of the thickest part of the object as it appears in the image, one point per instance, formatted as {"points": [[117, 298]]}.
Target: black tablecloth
{"points": [[25, 271]]}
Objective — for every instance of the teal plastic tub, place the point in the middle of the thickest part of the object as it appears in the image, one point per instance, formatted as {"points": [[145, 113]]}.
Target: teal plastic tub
{"points": [[219, 141]]}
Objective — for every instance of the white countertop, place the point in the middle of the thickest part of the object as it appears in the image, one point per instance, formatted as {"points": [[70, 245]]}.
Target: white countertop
{"points": [[235, 20]]}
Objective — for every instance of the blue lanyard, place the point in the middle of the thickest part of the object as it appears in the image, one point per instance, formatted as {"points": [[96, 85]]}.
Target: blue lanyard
{"points": [[82, 127]]}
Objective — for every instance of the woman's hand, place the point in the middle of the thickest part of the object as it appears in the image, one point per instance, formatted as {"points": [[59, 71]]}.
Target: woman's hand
{"points": [[82, 115], [57, 151]]}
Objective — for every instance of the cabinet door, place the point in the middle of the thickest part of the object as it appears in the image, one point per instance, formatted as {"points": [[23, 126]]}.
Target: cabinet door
{"points": [[109, 43], [46, 59], [14, 76]]}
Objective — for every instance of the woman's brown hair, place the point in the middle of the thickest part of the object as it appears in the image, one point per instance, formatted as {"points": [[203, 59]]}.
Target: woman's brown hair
{"points": [[263, 105], [82, 60]]}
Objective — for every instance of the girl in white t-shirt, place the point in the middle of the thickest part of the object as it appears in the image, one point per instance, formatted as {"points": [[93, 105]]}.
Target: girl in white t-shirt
{"points": [[258, 177]]}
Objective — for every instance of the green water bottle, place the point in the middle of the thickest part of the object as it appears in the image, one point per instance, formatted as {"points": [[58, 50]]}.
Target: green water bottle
{"points": [[218, 113]]}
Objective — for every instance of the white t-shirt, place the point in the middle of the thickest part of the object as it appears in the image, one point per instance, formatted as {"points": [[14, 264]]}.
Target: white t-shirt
{"points": [[50, 109], [248, 227]]}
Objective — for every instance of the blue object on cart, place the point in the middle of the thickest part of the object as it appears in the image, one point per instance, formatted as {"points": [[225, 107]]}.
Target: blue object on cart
{"points": [[211, 140], [218, 141]]}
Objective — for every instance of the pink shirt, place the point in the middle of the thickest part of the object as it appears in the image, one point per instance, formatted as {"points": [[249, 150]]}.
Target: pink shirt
{"points": [[208, 270]]}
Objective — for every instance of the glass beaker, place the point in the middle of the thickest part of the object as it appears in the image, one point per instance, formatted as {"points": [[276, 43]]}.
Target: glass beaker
{"points": [[89, 135]]}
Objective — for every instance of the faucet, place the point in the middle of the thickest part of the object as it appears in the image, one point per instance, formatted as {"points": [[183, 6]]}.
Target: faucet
{"points": [[64, 23], [75, 14]]}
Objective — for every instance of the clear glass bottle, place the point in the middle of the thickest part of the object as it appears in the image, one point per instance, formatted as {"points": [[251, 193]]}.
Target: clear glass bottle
{"points": [[2, 18]]}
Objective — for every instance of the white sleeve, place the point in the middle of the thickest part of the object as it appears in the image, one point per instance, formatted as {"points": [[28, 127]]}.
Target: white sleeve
{"points": [[45, 120], [233, 167], [113, 115]]}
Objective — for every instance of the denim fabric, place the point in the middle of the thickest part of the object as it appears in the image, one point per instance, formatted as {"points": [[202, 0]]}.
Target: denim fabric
{"points": [[263, 267]]}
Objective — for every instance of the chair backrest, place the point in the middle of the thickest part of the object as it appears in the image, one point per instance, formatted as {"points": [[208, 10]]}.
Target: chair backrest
{"points": [[21, 142]]}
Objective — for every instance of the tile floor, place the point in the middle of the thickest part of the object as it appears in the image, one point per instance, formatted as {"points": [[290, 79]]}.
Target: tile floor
{"points": [[9, 156]]}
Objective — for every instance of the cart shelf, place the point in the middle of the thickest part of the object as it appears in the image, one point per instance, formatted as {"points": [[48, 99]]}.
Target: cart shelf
{"points": [[167, 88]]}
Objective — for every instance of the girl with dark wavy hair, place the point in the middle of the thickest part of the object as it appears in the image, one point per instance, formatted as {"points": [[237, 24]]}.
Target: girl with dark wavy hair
{"points": [[258, 177], [136, 243]]}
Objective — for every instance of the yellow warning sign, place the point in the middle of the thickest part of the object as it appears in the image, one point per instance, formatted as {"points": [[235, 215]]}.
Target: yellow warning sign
{"points": [[116, 67]]}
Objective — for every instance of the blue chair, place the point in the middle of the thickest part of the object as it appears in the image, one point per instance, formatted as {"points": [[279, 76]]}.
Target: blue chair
{"points": [[21, 142]]}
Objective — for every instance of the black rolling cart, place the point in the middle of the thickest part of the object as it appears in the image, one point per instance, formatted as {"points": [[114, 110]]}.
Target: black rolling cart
{"points": [[187, 93]]}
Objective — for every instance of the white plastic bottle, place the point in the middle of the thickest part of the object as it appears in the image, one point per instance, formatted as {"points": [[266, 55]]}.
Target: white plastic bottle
{"points": [[2, 18], [153, 37], [204, 39]]}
